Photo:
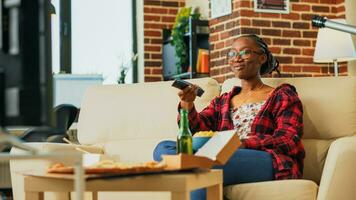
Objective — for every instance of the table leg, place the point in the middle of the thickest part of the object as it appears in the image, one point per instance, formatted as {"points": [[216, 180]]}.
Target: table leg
{"points": [[95, 195], [34, 196], [180, 195], [214, 192]]}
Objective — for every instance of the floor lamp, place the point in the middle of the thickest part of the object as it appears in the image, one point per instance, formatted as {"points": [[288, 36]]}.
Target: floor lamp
{"points": [[334, 46]]}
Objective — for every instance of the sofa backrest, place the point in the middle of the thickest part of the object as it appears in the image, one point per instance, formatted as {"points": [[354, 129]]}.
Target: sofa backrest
{"points": [[329, 105], [135, 111]]}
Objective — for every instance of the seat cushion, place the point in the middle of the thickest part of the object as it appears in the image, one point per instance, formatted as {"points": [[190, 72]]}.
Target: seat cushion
{"points": [[315, 156], [273, 190]]}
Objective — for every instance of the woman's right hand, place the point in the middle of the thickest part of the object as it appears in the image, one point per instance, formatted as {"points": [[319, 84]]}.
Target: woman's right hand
{"points": [[187, 96]]}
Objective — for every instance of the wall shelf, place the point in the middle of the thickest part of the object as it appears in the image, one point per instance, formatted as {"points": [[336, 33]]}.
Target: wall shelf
{"points": [[196, 38]]}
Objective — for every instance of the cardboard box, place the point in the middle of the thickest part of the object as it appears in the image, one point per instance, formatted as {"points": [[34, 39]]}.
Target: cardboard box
{"points": [[216, 151], [90, 159]]}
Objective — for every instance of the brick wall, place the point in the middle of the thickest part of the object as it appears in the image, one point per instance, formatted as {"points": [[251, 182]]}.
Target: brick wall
{"points": [[158, 15], [290, 36]]}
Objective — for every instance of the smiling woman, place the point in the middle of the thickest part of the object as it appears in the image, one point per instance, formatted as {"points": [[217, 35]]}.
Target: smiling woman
{"points": [[252, 52], [101, 37], [268, 120]]}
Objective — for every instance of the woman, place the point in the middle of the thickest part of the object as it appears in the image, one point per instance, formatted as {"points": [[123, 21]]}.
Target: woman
{"points": [[268, 120]]}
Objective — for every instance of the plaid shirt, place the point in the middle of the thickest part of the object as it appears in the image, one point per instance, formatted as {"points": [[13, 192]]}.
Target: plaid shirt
{"points": [[276, 129]]}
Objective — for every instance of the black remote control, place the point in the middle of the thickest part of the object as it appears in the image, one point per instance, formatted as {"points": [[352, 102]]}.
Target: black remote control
{"points": [[180, 84]]}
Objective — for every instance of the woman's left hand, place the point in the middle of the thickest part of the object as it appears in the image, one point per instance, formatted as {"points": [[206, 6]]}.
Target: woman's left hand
{"points": [[242, 140]]}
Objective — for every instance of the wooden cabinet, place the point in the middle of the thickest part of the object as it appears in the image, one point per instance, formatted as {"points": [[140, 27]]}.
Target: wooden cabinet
{"points": [[196, 38]]}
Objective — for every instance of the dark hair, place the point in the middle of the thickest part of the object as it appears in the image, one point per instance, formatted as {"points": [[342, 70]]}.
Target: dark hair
{"points": [[272, 63]]}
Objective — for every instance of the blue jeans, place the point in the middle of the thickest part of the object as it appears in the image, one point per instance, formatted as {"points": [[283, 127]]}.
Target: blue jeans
{"points": [[244, 166]]}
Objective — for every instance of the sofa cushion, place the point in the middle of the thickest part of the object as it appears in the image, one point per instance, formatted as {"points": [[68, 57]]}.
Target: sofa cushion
{"points": [[132, 151], [271, 190], [329, 104], [316, 152], [143, 110]]}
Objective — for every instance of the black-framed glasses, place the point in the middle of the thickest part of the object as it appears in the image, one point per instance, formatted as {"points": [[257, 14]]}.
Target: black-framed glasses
{"points": [[244, 54]]}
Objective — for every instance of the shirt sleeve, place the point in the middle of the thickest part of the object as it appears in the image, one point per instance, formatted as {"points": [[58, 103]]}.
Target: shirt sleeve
{"points": [[289, 127], [205, 120]]}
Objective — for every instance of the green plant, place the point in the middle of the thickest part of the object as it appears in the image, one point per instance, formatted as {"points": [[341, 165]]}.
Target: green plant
{"points": [[125, 66], [180, 27]]}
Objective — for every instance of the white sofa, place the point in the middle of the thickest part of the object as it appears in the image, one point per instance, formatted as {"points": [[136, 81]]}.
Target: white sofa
{"points": [[129, 120]]}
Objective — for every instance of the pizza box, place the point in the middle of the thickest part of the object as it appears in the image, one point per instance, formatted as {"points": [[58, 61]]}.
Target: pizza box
{"points": [[90, 159], [216, 151]]}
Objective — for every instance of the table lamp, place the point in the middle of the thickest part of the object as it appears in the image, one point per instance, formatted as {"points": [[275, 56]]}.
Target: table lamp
{"points": [[334, 46]]}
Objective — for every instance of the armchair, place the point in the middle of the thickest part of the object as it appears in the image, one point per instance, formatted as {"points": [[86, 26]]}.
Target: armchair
{"points": [[64, 115]]}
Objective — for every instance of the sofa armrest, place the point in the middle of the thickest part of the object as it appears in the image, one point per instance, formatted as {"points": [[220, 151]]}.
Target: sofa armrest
{"points": [[338, 179], [17, 166]]}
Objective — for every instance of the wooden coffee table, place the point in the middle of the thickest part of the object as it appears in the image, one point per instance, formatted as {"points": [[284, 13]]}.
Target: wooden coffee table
{"points": [[179, 184]]}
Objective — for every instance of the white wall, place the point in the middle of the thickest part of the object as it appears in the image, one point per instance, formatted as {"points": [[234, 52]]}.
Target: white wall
{"points": [[350, 6], [203, 6]]}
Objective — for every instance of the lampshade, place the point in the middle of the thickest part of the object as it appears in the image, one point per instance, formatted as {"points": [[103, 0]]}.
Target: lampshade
{"points": [[333, 45]]}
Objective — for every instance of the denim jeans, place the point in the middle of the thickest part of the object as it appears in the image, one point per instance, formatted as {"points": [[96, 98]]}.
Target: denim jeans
{"points": [[244, 166]]}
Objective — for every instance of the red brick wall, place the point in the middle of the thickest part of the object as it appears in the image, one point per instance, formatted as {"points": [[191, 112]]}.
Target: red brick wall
{"points": [[290, 36], [158, 15]]}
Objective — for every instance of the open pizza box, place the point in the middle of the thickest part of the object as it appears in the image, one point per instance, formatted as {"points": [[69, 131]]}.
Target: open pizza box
{"points": [[216, 151]]}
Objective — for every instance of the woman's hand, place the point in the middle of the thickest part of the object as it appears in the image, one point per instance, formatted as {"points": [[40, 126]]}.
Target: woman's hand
{"points": [[187, 96], [242, 140]]}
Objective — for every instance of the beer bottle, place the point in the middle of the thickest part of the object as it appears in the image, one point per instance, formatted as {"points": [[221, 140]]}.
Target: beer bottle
{"points": [[184, 138]]}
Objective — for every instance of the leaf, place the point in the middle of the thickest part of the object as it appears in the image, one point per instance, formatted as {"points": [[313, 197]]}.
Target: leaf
{"points": [[179, 28]]}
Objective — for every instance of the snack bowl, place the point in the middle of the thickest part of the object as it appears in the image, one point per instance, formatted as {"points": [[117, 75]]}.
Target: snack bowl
{"points": [[198, 142]]}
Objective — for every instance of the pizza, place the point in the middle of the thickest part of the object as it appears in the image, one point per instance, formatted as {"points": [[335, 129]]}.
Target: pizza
{"points": [[60, 168], [110, 166]]}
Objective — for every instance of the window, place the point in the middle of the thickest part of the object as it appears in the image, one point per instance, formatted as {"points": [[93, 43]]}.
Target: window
{"points": [[272, 6], [101, 37]]}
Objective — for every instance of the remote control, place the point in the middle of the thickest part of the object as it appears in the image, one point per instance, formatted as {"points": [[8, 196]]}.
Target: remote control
{"points": [[180, 84]]}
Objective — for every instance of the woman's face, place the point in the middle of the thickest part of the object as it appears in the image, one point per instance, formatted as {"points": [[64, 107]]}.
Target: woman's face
{"points": [[246, 58]]}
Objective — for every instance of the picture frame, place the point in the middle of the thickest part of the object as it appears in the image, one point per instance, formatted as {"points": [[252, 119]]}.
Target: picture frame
{"points": [[272, 6], [220, 8]]}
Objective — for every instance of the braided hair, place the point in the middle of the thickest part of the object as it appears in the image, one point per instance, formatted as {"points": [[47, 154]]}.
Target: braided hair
{"points": [[272, 63]]}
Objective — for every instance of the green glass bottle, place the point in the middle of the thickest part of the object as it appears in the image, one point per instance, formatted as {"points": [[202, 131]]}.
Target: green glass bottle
{"points": [[184, 138]]}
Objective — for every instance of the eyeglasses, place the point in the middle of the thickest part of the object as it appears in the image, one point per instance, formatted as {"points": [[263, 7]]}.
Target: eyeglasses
{"points": [[244, 54]]}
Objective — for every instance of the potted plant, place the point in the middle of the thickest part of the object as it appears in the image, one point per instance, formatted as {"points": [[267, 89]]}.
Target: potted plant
{"points": [[124, 67], [180, 27]]}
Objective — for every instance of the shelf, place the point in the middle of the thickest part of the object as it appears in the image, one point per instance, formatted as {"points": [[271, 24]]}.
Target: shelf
{"points": [[201, 22], [196, 38], [187, 35], [198, 34], [182, 75], [187, 75]]}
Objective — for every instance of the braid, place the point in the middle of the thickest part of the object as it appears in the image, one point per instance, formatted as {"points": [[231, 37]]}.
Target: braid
{"points": [[272, 63]]}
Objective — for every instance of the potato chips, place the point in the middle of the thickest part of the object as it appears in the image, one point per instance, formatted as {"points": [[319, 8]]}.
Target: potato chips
{"points": [[204, 134]]}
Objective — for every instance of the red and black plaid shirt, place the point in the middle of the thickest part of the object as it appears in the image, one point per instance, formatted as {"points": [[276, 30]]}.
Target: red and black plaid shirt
{"points": [[276, 129]]}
